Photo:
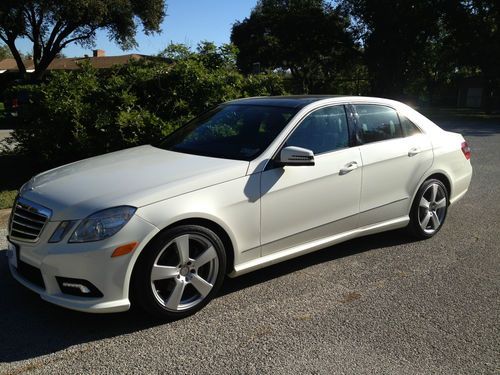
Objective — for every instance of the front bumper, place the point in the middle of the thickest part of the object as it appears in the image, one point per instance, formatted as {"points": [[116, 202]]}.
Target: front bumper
{"points": [[89, 261]]}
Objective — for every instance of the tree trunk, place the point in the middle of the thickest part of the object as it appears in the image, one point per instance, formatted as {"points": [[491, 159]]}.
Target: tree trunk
{"points": [[17, 56], [42, 66]]}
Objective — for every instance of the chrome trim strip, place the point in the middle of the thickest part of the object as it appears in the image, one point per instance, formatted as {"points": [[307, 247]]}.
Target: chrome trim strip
{"points": [[28, 218], [26, 225]]}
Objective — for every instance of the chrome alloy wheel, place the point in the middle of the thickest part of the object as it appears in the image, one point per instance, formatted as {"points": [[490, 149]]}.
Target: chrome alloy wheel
{"points": [[432, 208], [184, 272]]}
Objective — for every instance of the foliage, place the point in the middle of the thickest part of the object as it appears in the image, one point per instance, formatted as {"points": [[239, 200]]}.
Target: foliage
{"points": [[472, 40], [51, 25], [395, 36], [7, 198], [4, 52], [80, 114], [310, 38], [413, 48]]}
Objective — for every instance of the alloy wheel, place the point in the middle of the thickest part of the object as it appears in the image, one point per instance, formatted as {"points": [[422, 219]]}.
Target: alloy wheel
{"points": [[432, 208], [184, 272]]}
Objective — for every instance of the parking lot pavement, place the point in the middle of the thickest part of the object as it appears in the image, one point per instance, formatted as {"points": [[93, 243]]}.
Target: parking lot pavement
{"points": [[380, 304]]}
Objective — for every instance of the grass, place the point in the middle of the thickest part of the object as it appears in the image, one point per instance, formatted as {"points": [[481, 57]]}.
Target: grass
{"points": [[7, 198]]}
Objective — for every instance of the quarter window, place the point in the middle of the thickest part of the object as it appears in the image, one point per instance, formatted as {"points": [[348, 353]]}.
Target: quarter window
{"points": [[377, 123], [409, 128], [322, 131]]}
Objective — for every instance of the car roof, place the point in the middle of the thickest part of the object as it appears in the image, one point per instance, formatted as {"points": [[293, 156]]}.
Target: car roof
{"points": [[291, 101]]}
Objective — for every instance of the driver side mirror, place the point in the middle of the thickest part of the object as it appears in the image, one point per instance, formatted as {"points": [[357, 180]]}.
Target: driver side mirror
{"points": [[297, 156]]}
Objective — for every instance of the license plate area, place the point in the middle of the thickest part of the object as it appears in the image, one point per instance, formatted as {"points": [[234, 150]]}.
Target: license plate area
{"points": [[12, 253]]}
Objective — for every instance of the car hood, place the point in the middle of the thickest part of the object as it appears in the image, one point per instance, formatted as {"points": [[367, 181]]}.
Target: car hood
{"points": [[137, 177]]}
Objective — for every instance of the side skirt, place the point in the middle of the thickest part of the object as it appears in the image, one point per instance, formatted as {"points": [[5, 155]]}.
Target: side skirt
{"points": [[309, 247]]}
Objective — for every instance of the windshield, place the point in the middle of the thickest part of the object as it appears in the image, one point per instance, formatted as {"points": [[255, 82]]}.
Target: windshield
{"points": [[235, 131]]}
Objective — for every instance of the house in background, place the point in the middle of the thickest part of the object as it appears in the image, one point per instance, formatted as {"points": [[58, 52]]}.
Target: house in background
{"points": [[99, 60], [9, 72]]}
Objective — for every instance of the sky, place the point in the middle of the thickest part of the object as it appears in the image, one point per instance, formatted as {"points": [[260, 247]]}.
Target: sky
{"points": [[187, 21]]}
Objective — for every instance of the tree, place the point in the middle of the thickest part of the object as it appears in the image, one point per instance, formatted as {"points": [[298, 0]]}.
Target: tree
{"points": [[4, 52], [395, 37], [53, 24], [473, 41], [310, 38]]}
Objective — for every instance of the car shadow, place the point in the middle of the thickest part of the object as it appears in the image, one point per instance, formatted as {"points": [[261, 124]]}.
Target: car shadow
{"points": [[31, 327]]}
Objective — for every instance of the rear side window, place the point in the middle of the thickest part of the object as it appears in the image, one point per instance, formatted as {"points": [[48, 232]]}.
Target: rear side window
{"points": [[323, 130], [377, 123], [409, 128]]}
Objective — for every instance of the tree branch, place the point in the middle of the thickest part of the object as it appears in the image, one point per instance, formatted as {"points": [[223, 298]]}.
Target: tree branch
{"points": [[81, 37]]}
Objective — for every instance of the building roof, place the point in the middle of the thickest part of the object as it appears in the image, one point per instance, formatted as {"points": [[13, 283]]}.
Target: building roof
{"points": [[72, 63]]}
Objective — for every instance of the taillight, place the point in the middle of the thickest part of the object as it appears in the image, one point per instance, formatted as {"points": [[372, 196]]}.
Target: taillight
{"points": [[466, 150]]}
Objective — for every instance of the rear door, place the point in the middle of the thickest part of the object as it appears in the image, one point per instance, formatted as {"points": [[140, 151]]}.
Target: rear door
{"points": [[394, 160]]}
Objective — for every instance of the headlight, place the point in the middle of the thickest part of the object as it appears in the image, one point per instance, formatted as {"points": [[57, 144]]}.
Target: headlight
{"points": [[102, 224]]}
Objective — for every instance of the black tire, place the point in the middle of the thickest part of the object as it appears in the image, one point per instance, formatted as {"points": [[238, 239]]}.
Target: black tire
{"points": [[421, 217], [163, 253]]}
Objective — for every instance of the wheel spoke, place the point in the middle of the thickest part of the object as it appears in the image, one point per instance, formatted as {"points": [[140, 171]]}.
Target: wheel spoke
{"points": [[424, 203], [163, 272], [174, 300], [182, 243], [441, 203], [434, 192], [208, 255], [435, 221], [201, 285], [425, 221]]}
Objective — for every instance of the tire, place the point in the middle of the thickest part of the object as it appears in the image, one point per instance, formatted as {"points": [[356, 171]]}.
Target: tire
{"points": [[429, 209], [179, 272]]}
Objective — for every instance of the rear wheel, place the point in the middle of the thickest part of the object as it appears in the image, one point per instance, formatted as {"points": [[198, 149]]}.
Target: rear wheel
{"points": [[181, 271], [429, 209]]}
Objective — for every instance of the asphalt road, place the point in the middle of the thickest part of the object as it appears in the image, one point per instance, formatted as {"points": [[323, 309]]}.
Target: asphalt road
{"points": [[381, 304]]}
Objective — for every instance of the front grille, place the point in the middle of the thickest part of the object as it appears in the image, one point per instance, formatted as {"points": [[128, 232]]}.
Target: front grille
{"points": [[28, 220]]}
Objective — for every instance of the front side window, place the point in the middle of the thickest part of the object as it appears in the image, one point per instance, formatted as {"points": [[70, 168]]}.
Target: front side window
{"points": [[377, 123], [239, 132], [323, 130]]}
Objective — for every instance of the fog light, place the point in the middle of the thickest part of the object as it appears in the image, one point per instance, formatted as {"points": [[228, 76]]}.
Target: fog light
{"points": [[82, 288], [78, 287]]}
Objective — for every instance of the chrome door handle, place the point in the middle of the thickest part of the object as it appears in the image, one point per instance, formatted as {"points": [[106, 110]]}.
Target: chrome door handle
{"points": [[413, 151], [348, 168]]}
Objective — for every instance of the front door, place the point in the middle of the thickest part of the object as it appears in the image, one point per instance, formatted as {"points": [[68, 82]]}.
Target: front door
{"points": [[304, 203]]}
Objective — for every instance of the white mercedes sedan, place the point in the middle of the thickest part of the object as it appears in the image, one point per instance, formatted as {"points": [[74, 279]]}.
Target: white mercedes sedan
{"points": [[248, 184]]}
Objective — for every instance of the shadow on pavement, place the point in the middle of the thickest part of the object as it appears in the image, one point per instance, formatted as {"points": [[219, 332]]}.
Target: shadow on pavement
{"points": [[30, 327]]}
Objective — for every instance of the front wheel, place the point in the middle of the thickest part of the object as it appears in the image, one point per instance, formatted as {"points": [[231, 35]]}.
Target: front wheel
{"points": [[180, 272], [429, 209]]}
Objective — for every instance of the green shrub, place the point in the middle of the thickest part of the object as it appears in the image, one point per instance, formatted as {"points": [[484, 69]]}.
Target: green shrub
{"points": [[80, 114]]}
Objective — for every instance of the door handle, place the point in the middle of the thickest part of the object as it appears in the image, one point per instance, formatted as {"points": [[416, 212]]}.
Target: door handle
{"points": [[413, 151], [348, 168]]}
